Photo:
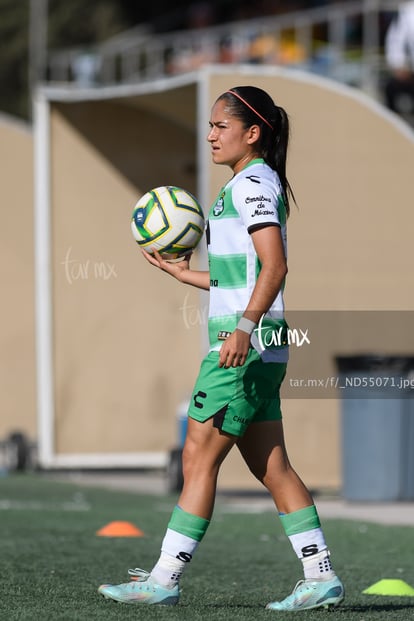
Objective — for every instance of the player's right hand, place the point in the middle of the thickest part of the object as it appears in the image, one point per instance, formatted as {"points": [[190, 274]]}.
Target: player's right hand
{"points": [[175, 269]]}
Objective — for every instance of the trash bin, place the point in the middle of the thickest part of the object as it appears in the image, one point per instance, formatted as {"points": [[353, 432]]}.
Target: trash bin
{"points": [[377, 427], [182, 421]]}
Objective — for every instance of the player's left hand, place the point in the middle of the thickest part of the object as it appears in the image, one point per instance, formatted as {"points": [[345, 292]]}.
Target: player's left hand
{"points": [[233, 352]]}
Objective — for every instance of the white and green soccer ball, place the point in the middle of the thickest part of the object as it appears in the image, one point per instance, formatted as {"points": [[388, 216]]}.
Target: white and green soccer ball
{"points": [[168, 219]]}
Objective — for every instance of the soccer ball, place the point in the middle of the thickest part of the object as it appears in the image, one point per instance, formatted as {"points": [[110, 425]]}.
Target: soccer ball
{"points": [[168, 219]]}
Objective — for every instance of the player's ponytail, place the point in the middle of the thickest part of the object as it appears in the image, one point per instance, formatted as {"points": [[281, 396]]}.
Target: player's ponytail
{"points": [[277, 151], [253, 106]]}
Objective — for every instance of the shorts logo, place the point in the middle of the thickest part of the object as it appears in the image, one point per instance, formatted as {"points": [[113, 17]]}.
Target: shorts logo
{"points": [[239, 419], [199, 395]]}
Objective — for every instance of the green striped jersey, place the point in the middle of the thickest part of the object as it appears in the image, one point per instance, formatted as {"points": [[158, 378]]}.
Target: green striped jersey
{"points": [[252, 198]]}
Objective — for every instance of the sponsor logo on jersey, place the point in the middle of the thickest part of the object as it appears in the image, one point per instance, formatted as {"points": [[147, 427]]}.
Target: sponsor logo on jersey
{"points": [[222, 335], [253, 178], [261, 211], [257, 199]]}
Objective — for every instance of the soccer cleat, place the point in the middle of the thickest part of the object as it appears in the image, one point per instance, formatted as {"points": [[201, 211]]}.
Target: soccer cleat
{"points": [[309, 594], [140, 590]]}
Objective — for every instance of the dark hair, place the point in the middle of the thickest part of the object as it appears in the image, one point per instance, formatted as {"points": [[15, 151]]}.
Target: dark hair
{"points": [[253, 106]]}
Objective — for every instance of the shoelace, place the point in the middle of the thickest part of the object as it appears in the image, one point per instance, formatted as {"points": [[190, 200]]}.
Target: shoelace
{"points": [[298, 584], [139, 575]]}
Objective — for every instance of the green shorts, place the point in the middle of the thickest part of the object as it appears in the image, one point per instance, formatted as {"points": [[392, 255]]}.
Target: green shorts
{"points": [[237, 396]]}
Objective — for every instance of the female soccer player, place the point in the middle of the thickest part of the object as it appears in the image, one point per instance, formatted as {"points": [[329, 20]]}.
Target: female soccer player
{"points": [[236, 396]]}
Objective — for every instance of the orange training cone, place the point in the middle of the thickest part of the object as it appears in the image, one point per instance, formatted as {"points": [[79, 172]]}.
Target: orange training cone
{"points": [[120, 529]]}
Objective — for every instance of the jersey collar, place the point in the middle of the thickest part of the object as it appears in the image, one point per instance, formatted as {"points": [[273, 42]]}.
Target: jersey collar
{"points": [[257, 160]]}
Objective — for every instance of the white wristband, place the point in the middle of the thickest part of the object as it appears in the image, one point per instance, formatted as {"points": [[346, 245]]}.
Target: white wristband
{"points": [[246, 325]]}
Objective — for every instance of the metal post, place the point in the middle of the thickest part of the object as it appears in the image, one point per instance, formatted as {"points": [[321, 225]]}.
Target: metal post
{"points": [[370, 47], [38, 27]]}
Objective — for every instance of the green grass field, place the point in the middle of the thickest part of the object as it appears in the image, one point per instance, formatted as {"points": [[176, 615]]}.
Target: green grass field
{"points": [[51, 560]]}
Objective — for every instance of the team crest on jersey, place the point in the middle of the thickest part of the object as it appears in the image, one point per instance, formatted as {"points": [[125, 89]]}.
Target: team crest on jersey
{"points": [[218, 207]]}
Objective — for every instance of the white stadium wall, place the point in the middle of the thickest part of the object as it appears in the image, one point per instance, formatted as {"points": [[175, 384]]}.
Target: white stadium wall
{"points": [[17, 348], [123, 354], [120, 343]]}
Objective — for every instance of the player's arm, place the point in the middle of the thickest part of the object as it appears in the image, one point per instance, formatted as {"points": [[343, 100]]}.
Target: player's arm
{"points": [[271, 254], [270, 251], [180, 270]]}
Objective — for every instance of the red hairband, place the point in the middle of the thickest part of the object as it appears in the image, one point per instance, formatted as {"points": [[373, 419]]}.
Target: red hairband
{"points": [[251, 108]]}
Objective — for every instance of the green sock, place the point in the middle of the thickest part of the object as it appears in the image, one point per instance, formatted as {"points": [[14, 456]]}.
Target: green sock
{"points": [[300, 521], [188, 524], [306, 536], [184, 533]]}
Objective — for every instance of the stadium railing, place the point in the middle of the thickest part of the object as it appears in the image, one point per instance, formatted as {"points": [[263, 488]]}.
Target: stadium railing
{"points": [[342, 41]]}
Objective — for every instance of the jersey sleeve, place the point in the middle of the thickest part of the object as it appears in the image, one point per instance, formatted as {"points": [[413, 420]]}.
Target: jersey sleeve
{"points": [[256, 201]]}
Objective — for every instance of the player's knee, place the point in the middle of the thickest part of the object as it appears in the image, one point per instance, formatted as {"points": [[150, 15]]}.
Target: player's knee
{"points": [[198, 463]]}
